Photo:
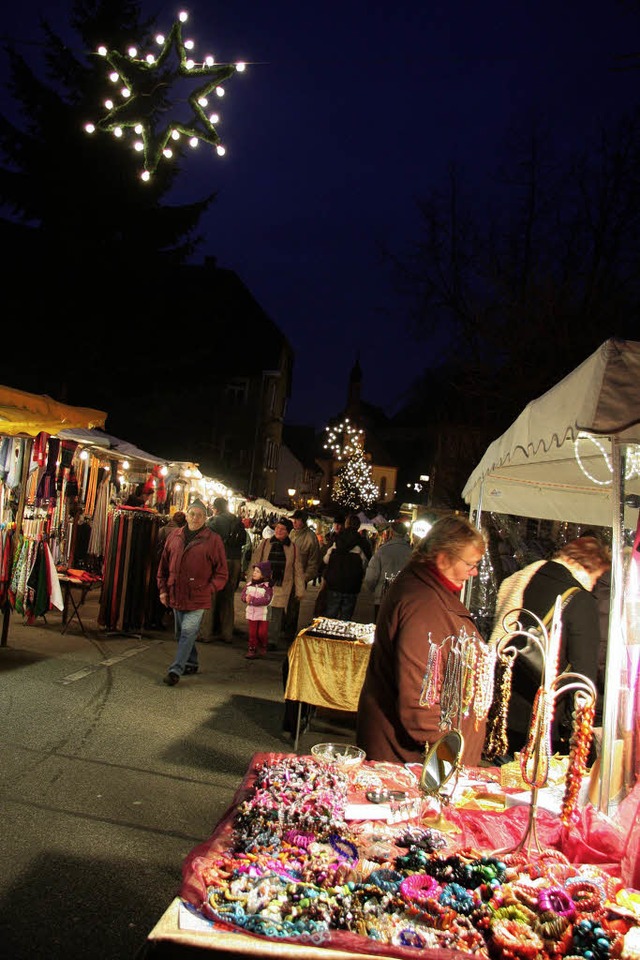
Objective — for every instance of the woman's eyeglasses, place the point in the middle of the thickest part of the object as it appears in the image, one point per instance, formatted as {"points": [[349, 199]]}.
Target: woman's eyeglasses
{"points": [[469, 566]]}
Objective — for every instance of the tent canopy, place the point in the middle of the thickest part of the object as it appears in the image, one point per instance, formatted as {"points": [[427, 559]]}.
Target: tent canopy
{"points": [[554, 461], [28, 414], [106, 442]]}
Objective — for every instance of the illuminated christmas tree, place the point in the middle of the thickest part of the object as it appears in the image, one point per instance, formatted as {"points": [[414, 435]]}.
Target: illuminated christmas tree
{"points": [[353, 486]]}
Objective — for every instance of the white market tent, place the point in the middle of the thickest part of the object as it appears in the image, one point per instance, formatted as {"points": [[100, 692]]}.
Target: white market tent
{"points": [[534, 469], [570, 456]]}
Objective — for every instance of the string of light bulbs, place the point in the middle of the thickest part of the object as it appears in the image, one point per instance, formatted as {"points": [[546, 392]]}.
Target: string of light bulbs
{"points": [[145, 82], [632, 467]]}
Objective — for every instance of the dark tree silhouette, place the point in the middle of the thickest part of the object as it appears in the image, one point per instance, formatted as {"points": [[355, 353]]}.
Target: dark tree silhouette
{"points": [[87, 244]]}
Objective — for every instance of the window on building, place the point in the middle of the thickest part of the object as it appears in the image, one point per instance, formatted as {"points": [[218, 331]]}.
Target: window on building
{"points": [[236, 392], [271, 454]]}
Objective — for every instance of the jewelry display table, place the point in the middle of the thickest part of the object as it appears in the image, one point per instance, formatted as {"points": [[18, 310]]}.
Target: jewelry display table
{"points": [[326, 668], [287, 873]]}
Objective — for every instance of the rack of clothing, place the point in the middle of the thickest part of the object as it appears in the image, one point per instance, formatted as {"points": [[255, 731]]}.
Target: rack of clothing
{"points": [[127, 603]]}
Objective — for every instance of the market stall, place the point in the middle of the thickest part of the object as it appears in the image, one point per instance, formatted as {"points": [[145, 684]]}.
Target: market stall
{"points": [[345, 858], [574, 455], [36, 480], [327, 663]]}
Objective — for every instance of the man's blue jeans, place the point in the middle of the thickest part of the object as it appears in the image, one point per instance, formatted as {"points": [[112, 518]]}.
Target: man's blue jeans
{"points": [[340, 606], [187, 625]]}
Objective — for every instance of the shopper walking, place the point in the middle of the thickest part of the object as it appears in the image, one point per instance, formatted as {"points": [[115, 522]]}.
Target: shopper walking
{"points": [[192, 566], [218, 621]]}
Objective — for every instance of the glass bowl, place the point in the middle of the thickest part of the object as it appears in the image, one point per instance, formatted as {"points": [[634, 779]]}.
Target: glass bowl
{"points": [[344, 757]]}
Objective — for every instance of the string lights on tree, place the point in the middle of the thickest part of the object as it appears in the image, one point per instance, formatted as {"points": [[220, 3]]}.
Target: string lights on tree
{"points": [[353, 486], [149, 91], [344, 439]]}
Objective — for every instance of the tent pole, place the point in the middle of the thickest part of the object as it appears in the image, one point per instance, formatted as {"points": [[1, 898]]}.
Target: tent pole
{"points": [[468, 587], [615, 640], [24, 477]]}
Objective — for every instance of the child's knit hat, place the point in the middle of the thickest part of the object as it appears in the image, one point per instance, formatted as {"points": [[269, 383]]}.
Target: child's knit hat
{"points": [[265, 569]]}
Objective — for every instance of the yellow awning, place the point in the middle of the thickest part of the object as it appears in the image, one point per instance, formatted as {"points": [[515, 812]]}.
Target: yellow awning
{"points": [[28, 414]]}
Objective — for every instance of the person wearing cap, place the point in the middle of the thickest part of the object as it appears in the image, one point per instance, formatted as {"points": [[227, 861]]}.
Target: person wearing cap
{"points": [[286, 569], [306, 543], [345, 563], [387, 562], [257, 593], [219, 620], [192, 565]]}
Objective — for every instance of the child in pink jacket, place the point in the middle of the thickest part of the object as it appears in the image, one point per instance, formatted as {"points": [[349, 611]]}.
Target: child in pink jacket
{"points": [[257, 593]]}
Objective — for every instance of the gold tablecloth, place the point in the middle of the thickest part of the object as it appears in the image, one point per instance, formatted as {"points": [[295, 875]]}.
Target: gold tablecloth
{"points": [[326, 671]]}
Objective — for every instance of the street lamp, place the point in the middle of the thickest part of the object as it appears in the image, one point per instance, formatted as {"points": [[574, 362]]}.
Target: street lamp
{"points": [[292, 492]]}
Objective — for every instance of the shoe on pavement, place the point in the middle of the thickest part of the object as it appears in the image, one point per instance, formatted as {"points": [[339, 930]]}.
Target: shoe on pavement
{"points": [[171, 679], [251, 655], [189, 669]]}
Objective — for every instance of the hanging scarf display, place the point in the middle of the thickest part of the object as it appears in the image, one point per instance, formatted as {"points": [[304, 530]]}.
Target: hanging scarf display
{"points": [[155, 484], [100, 512], [7, 533], [16, 455], [47, 485], [128, 599], [39, 453]]}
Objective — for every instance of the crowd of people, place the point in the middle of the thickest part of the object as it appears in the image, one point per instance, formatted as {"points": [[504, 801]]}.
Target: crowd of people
{"points": [[416, 593]]}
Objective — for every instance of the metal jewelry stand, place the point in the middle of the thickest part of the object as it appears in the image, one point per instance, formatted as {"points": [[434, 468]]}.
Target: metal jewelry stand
{"points": [[535, 768]]}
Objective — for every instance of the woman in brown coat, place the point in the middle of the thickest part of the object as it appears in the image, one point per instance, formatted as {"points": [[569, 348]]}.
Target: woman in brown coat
{"points": [[288, 575], [421, 608]]}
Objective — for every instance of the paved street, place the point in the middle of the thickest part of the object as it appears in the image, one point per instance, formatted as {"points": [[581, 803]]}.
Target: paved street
{"points": [[109, 777]]}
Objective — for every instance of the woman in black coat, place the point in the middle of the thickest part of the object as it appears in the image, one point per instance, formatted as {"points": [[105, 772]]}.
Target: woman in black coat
{"points": [[578, 564]]}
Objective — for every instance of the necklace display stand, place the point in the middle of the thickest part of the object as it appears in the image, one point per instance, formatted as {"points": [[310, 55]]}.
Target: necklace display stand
{"points": [[466, 686], [536, 756]]}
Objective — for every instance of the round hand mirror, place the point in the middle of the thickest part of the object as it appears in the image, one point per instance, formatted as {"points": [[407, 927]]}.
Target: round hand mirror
{"points": [[443, 759]]}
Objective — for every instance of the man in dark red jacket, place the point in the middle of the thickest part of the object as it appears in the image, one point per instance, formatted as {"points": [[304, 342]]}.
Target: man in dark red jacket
{"points": [[192, 565]]}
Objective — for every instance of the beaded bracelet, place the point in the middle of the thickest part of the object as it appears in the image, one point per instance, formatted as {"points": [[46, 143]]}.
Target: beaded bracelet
{"points": [[457, 897], [386, 879], [419, 887], [551, 926], [586, 895], [344, 848], [516, 939], [409, 937], [555, 899]]}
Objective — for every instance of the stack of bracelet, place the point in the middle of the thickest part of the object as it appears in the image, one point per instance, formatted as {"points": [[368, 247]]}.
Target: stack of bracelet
{"points": [[295, 870]]}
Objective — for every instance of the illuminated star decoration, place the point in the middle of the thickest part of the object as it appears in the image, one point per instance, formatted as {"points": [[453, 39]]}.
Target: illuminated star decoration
{"points": [[146, 104]]}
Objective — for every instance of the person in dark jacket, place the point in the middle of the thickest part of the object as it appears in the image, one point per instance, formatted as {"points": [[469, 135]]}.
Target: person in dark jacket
{"points": [[287, 573], [387, 562], [220, 618], [419, 614], [345, 563], [578, 564], [192, 565]]}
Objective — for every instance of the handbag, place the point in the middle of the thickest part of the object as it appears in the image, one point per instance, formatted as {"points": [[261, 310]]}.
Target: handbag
{"points": [[529, 658]]}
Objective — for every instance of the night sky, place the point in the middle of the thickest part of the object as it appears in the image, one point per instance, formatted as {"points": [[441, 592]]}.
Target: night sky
{"points": [[348, 113]]}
